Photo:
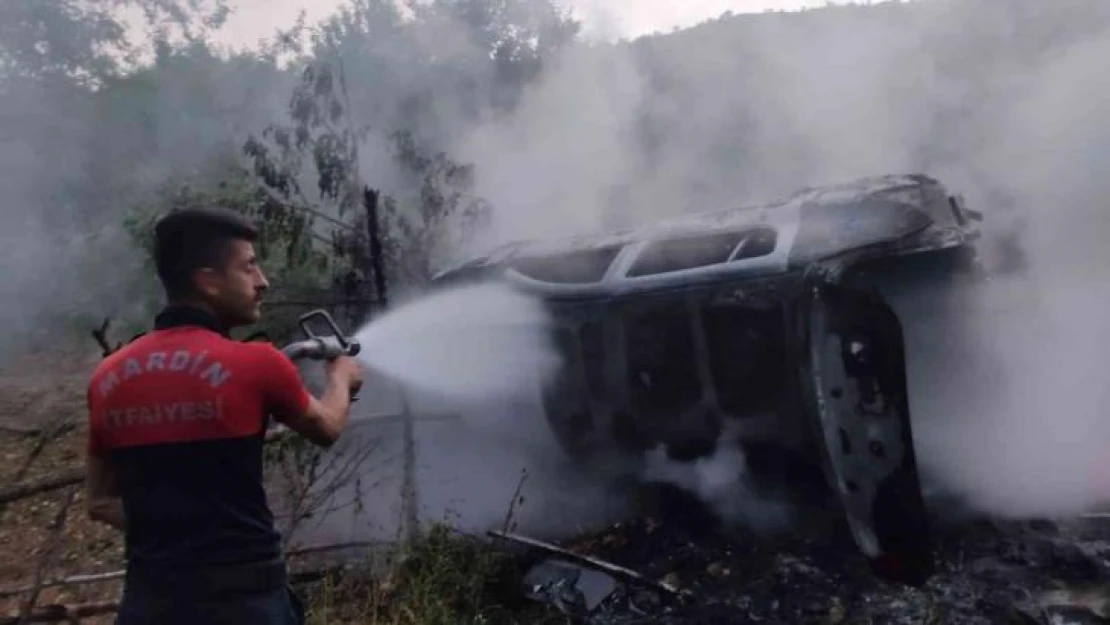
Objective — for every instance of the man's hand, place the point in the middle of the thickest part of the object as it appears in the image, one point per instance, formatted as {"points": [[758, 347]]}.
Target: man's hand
{"points": [[102, 492], [323, 420], [345, 372]]}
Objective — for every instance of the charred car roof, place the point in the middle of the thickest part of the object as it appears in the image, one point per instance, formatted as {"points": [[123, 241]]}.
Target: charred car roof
{"points": [[875, 216]]}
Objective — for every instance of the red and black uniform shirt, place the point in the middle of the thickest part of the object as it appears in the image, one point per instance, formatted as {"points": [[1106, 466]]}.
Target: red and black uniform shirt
{"points": [[181, 413]]}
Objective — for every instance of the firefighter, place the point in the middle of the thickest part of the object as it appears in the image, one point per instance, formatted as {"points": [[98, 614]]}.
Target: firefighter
{"points": [[177, 420]]}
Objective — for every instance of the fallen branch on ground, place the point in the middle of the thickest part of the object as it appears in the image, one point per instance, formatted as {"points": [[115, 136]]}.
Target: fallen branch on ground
{"points": [[19, 430], [58, 613], [76, 580], [28, 432], [57, 530], [73, 613], [50, 483], [55, 429], [92, 578], [601, 565], [304, 551], [38, 432]]}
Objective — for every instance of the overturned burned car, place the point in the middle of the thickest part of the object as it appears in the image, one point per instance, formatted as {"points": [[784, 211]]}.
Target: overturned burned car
{"points": [[764, 326]]}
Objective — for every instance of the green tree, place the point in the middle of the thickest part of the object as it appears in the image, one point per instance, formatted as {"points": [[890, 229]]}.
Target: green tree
{"points": [[371, 238], [87, 40]]}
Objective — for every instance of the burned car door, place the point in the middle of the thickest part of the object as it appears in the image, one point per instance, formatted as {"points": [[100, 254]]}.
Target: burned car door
{"points": [[854, 393]]}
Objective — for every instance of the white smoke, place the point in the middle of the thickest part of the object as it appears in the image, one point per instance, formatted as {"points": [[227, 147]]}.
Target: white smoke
{"points": [[1001, 100]]}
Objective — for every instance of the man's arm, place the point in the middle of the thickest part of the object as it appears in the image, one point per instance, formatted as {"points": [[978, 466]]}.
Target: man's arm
{"points": [[102, 494], [103, 500], [318, 420]]}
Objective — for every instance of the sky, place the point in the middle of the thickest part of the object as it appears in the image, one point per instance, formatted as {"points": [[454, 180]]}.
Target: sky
{"points": [[253, 20]]}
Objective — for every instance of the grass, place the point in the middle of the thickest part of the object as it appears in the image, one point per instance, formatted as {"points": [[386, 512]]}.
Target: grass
{"points": [[440, 578]]}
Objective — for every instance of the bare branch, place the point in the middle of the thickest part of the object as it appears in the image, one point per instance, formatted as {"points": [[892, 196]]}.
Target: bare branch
{"points": [[56, 428], [20, 430], [50, 547], [314, 549], [74, 580], [507, 525], [93, 578], [58, 613], [310, 211], [601, 565], [101, 336], [44, 485]]}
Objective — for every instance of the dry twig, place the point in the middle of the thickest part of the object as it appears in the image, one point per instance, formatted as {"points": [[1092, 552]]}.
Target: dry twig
{"points": [[92, 578], [44, 485], [601, 565], [50, 545], [58, 613], [73, 613], [516, 500]]}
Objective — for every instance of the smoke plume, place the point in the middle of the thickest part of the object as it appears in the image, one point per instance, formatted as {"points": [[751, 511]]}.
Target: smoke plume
{"points": [[1001, 100]]}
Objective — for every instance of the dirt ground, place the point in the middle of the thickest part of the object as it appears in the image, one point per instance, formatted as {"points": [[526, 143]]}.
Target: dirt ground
{"points": [[42, 433]]}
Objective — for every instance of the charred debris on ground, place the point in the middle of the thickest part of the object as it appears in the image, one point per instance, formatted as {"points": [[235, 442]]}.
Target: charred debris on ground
{"points": [[678, 564]]}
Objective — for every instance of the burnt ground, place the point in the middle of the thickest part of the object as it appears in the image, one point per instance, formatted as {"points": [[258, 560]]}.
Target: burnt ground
{"points": [[988, 572]]}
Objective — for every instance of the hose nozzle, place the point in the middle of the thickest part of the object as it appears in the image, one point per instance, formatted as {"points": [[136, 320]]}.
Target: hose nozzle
{"points": [[321, 347]]}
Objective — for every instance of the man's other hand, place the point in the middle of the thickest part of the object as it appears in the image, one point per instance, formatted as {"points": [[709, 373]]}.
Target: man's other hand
{"points": [[346, 372]]}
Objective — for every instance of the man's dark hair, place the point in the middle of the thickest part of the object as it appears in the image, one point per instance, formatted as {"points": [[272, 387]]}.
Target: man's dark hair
{"points": [[196, 238]]}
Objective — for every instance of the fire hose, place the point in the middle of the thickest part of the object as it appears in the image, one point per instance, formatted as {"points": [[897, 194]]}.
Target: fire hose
{"points": [[325, 346]]}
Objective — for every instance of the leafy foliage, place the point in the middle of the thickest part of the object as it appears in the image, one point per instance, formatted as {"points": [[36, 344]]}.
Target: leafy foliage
{"points": [[445, 211], [87, 41], [288, 251], [303, 180], [322, 141]]}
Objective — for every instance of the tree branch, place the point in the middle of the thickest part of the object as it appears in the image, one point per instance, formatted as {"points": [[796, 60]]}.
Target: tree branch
{"points": [[311, 211], [44, 485], [50, 546], [58, 613], [72, 613], [594, 563], [101, 336], [92, 578], [74, 580]]}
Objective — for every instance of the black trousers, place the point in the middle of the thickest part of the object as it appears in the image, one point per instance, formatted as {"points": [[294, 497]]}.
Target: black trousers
{"points": [[255, 594]]}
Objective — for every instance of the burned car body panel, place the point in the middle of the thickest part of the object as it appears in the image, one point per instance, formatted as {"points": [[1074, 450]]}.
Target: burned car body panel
{"points": [[885, 215], [759, 327], [855, 383]]}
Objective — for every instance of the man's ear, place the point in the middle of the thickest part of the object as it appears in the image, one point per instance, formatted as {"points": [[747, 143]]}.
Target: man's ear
{"points": [[207, 281]]}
